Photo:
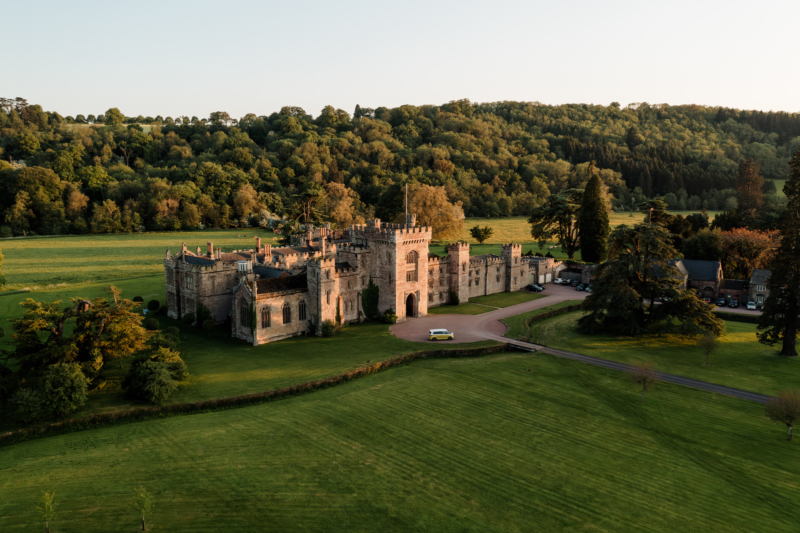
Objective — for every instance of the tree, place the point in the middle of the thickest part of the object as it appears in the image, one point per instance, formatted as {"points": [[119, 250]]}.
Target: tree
{"points": [[639, 271], [434, 209], [557, 220], [593, 221], [706, 245], [784, 409], [645, 375], [143, 502], [47, 509], [339, 207], [744, 249], [708, 343], [114, 117], [481, 234], [306, 205], [370, 297], [245, 201], [2, 276], [780, 316], [749, 187], [632, 138], [698, 221]]}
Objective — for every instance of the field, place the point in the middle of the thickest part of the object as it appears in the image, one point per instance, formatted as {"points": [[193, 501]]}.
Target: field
{"points": [[740, 362], [517, 329], [511, 442]]}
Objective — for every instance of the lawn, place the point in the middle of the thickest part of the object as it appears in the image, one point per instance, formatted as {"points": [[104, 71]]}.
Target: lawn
{"points": [[506, 443], [740, 362], [221, 367], [69, 260], [463, 309], [507, 299], [517, 328]]}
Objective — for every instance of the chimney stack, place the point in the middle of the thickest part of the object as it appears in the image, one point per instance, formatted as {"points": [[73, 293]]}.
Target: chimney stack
{"points": [[198, 251], [258, 244], [210, 248], [268, 253]]}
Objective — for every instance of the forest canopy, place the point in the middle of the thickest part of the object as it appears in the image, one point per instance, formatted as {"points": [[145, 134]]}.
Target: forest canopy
{"points": [[115, 173]]}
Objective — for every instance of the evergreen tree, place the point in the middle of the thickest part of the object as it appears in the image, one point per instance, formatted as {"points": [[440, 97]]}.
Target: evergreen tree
{"points": [[779, 320], [593, 221]]}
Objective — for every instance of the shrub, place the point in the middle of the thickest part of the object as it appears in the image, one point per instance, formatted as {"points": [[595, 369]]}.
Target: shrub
{"points": [[151, 324], [390, 317], [454, 298], [737, 317], [150, 381], [138, 299], [208, 326], [153, 305], [203, 313], [172, 332], [189, 318], [61, 391], [328, 328], [5, 232]]}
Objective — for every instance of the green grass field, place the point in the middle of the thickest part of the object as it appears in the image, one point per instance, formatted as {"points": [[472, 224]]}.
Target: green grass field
{"points": [[517, 329], [740, 362], [463, 309], [507, 443], [507, 299], [69, 260]]}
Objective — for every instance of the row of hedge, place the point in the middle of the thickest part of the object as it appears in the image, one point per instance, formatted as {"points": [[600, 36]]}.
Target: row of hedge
{"points": [[546, 315], [145, 413], [739, 317]]}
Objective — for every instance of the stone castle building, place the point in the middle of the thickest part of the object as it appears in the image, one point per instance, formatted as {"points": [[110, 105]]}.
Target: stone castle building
{"points": [[276, 293]]}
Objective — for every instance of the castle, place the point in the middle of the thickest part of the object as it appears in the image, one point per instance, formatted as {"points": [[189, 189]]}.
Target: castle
{"points": [[276, 293]]}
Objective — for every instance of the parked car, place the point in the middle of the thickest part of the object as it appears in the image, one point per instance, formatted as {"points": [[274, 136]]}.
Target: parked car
{"points": [[707, 300], [534, 287], [580, 287], [587, 289], [720, 301], [733, 304], [440, 335], [575, 283], [751, 306], [560, 281]]}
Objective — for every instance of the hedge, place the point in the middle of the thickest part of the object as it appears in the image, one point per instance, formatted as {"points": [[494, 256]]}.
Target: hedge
{"points": [[739, 317], [205, 406]]}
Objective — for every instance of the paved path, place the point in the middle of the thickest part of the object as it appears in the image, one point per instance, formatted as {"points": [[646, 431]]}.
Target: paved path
{"points": [[487, 326]]}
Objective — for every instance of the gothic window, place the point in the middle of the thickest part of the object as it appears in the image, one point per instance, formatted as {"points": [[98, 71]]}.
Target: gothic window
{"points": [[498, 278], [515, 281], [463, 267], [411, 275], [363, 281], [348, 283], [430, 296], [327, 274], [287, 313], [244, 313], [189, 281], [328, 297], [440, 295], [265, 318], [478, 281], [301, 313], [411, 257]]}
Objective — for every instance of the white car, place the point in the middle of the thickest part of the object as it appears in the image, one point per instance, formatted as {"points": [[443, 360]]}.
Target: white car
{"points": [[561, 281], [751, 306]]}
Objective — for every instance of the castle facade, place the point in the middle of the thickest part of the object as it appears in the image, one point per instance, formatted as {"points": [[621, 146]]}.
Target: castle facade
{"points": [[275, 293]]}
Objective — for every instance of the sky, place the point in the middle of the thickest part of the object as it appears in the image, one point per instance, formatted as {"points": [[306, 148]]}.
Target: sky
{"points": [[174, 58]]}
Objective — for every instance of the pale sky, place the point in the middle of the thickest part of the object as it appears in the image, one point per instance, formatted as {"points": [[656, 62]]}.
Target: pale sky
{"points": [[175, 58]]}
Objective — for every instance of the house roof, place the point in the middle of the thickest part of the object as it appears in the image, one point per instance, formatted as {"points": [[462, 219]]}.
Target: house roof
{"points": [[678, 263], [702, 270], [269, 273], [202, 261], [732, 284], [282, 283], [292, 250], [760, 276]]}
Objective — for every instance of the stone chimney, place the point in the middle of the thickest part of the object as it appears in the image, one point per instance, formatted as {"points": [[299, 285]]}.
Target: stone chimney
{"points": [[219, 252], [183, 247], [198, 251], [258, 244], [322, 242], [268, 252], [210, 248]]}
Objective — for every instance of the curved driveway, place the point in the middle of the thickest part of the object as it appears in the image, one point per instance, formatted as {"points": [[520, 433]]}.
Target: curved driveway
{"points": [[470, 328]]}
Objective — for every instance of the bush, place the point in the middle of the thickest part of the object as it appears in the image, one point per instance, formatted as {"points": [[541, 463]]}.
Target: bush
{"points": [[6, 232], [208, 326], [736, 317], [153, 305], [150, 381], [138, 299], [203, 313], [454, 298], [328, 328], [61, 391], [189, 318], [151, 324], [390, 317], [172, 332]]}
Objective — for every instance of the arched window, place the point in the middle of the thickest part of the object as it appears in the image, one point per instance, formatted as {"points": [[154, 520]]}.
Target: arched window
{"points": [[266, 317], [287, 313], [244, 313], [301, 313], [328, 297], [411, 257]]}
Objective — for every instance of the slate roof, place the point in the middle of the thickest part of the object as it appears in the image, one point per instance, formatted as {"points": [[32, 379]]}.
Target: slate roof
{"points": [[732, 284], [344, 265], [269, 273], [292, 250], [760, 276], [202, 261], [678, 263], [702, 270], [282, 283]]}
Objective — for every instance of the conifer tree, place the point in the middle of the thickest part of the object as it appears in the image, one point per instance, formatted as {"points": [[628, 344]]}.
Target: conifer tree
{"points": [[779, 320], [593, 221]]}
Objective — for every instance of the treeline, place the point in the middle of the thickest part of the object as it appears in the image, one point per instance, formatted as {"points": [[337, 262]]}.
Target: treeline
{"points": [[111, 173]]}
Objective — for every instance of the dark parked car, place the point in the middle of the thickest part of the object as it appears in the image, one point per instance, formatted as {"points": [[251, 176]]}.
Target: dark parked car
{"points": [[575, 283], [535, 288], [734, 304], [720, 301], [580, 287]]}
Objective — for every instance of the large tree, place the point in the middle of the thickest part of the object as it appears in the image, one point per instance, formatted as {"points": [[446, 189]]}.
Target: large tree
{"points": [[114, 117], [640, 271], [749, 187], [593, 222], [780, 317], [434, 209], [557, 220], [745, 249]]}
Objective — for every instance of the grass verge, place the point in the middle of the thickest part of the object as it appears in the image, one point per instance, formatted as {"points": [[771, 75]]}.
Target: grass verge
{"points": [[507, 299], [518, 324], [463, 309]]}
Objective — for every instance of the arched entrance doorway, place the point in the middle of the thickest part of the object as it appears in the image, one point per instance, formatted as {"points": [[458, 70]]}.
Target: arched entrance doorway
{"points": [[410, 306]]}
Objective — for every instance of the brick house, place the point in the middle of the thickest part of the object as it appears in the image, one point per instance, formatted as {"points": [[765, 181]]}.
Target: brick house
{"points": [[703, 276], [272, 294], [758, 291]]}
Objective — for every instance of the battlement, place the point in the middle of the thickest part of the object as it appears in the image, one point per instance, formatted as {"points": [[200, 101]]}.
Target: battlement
{"points": [[511, 247], [435, 259], [457, 246], [321, 262]]}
